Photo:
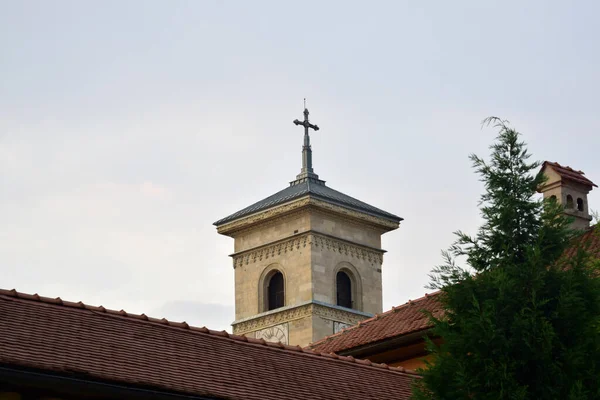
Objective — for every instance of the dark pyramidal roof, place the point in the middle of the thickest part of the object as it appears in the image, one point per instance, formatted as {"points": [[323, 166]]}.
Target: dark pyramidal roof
{"points": [[307, 183], [313, 188]]}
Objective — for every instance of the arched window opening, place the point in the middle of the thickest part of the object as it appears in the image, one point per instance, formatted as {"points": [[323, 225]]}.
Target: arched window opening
{"points": [[580, 204], [344, 289], [275, 292], [569, 201], [553, 198]]}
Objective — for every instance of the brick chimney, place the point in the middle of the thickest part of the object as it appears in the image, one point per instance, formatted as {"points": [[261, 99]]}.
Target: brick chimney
{"points": [[570, 188]]}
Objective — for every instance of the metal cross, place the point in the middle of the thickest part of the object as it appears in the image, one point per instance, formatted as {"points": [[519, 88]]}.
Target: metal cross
{"points": [[306, 151], [305, 123]]}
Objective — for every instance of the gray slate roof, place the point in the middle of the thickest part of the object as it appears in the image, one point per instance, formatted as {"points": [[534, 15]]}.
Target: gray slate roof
{"points": [[313, 188]]}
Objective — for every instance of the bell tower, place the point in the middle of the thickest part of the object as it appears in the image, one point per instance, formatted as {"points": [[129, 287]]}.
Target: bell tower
{"points": [[570, 189], [307, 259]]}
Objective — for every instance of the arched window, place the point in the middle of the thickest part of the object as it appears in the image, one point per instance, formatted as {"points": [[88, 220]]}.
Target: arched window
{"points": [[553, 198], [275, 292], [569, 201], [343, 289], [580, 204]]}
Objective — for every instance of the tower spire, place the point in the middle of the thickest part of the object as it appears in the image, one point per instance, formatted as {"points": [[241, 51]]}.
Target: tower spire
{"points": [[307, 168]]}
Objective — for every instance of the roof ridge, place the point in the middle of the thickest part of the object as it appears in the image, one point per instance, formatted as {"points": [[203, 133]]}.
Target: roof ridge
{"points": [[376, 317], [568, 170], [13, 293]]}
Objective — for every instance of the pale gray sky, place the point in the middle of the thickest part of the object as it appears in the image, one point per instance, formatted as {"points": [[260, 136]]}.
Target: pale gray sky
{"points": [[128, 127]]}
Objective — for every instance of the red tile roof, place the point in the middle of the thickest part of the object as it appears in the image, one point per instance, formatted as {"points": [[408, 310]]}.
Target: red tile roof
{"points": [[409, 318], [403, 320], [568, 173], [113, 346], [589, 241]]}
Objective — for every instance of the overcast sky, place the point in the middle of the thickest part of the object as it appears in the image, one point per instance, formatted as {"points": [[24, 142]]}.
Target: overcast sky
{"points": [[128, 127]]}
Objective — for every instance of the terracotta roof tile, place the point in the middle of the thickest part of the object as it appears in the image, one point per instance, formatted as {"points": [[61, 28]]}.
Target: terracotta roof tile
{"points": [[115, 346], [568, 173], [399, 321], [589, 241]]}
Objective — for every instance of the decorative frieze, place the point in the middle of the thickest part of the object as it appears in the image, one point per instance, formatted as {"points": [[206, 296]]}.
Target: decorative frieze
{"points": [[313, 239], [272, 318], [276, 318], [266, 252], [349, 249], [337, 314], [277, 333]]}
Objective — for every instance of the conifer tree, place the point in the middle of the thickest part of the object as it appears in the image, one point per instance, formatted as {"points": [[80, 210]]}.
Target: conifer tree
{"points": [[521, 321]]}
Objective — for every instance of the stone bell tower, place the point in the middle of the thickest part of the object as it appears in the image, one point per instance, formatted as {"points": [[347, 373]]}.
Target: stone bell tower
{"points": [[307, 259], [570, 189]]}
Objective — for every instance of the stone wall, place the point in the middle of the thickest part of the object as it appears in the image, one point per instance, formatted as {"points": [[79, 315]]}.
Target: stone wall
{"points": [[308, 246], [292, 261]]}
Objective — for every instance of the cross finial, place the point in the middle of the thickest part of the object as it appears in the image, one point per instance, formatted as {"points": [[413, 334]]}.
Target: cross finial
{"points": [[307, 169]]}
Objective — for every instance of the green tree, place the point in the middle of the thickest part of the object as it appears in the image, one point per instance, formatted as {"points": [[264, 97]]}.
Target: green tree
{"points": [[521, 321]]}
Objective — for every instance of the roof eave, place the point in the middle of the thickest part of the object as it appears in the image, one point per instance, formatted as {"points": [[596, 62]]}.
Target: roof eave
{"points": [[382, 345], [386, 215], [581, 179], [386, 224], [73, 385]]}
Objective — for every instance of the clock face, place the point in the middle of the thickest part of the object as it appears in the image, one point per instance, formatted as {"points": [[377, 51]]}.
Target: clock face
{"points": [[277, 333]]}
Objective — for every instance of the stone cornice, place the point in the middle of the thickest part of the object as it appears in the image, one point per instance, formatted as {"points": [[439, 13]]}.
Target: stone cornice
{"points": [[379, 222], [234, 227], [566, 184], [294, 213], [310, 239], [261, 216], [291, 313]]}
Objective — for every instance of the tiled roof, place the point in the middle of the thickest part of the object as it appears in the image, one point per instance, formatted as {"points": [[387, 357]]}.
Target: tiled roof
{"points": [[402, 320], [313, 188], [409, 318], [568, 173], [589, 241], [66, 338]]}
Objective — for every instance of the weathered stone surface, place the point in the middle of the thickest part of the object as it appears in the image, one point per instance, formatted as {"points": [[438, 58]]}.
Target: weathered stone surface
{"points": [[309, 241], [308, 246]]}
